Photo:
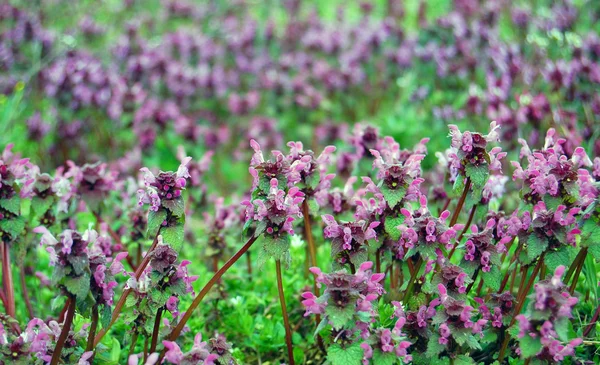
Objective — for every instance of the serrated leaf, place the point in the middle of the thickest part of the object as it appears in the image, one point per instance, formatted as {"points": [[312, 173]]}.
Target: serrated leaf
{"points": [[14, 226], [529, 346], [393, 196], [339, 317], [275, 247], [464, 360], [13, 204], [351, 355], [493, 278], [78, 285], [535, 247], [478, 175], [312, 180], [79, 263], [155, 220], [555, 259], [41, 206], [465, 337], [590, 236], [130, 301], [384, 358], [106, 315], [390, 225], [434, 347], [176, 206], [174, 235]]}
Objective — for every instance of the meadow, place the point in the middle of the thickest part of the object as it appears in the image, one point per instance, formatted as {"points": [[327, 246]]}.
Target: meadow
{"points": [[300, 182]]}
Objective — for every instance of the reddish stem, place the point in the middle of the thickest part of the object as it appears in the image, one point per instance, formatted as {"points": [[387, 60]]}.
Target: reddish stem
{"points": [[520, 302], [92, 333], [156, 330], [589, 327], [188, 313], [461, 202], [64, 333], [7, 281], [26, 292], [126, 292], [286, 320]]}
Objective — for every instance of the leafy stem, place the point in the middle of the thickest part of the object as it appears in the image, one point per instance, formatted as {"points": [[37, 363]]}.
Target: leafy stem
{"points": [[188, 313], [126, 292]]}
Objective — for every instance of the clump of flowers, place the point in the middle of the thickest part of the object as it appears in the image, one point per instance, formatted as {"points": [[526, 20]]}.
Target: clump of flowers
{"points": [[165, 188], [349, 243], [347, 299], [200, 353], [543, 331]]}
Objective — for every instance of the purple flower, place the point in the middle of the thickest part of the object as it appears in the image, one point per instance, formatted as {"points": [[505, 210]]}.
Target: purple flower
{"points": [[165, 188]]}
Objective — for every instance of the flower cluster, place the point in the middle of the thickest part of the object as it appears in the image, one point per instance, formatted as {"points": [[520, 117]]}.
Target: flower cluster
{"points": [[543, 331], [165, 188], [346, 296]]}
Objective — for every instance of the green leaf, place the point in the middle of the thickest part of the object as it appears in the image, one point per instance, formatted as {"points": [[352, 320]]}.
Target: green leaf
{"points": [[535, 247], [590, 236], [384, 358], [13, 204], [390, 225], [393, 196], [78, 285], [493, 278], [312, 181], [529, 346], [434, 347], [174, 235], [176, 206], [106, 315], [479, 175], [351, 355], [115, 352], [155, 220], [14, 226], [465, 337], [555, 259], [339, 317], [464, 360], [79, 263], [275, 247], [41, 206]]}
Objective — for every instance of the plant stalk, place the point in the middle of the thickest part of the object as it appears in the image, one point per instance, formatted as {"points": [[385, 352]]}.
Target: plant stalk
{"points": [[286, 320], [156, 330], [26, 292], [126, 292], [64, 333], [7, 280], [188, 313]]}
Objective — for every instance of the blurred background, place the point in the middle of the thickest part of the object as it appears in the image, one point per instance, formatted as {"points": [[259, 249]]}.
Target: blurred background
{"points": [[128, 82]]}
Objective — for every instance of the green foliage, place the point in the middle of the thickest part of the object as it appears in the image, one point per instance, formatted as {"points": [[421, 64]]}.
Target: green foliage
{"points": [[529, 346], [277, 247], [351, 355], [536, 245], [392, 196]]}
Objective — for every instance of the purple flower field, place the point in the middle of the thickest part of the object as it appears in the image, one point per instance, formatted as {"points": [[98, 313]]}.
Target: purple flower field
{"points": [[229, 182]]}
